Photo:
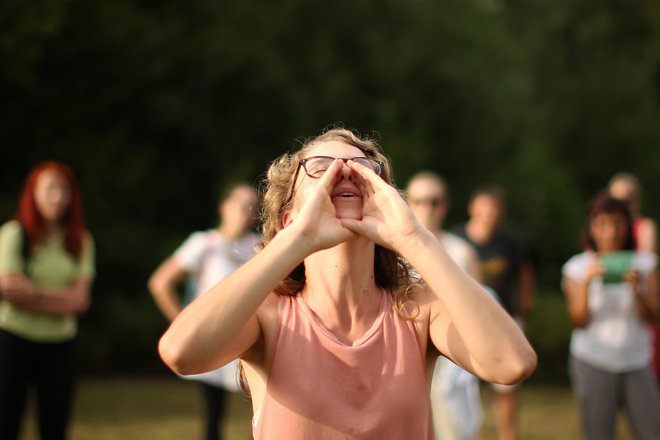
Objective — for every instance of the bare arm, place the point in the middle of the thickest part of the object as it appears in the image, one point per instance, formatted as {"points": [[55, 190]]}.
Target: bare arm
{"points": [[162, 285], [18, 290], [577, 301], [648, 238], [577, 294], [465, 322], [224, 323], [645, 294]]}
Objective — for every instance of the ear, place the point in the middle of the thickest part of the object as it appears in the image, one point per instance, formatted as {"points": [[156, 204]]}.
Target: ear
{"points": [[286, 220]]}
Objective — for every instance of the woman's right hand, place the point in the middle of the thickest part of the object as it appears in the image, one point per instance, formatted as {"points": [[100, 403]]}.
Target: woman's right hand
{"points": [[595, 268], [316, 220], [17, 289]]}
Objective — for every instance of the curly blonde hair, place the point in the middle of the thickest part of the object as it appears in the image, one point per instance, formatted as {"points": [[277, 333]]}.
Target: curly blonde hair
{"points": [[392, 272]]}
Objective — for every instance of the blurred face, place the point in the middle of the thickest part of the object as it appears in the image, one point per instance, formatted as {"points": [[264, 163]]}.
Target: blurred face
{"points": [[239, 209], [428, 202], [608, 232], [625, 192], [346, 196], [52, 195], [486, 210]]}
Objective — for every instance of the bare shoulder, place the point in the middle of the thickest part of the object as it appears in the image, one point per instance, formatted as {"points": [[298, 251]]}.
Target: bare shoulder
{"points": [[266, 317], [426, 300]]}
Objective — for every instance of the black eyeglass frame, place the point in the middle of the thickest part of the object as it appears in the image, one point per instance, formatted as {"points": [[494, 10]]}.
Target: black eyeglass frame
{"points": [[303, 163], [381, 167]]}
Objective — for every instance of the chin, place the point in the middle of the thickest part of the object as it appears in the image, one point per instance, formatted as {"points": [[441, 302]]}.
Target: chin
{"points": [[353, 214], [349, 210]]}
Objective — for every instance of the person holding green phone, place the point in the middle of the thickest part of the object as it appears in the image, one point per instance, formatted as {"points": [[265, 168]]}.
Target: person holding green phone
{"points": [[611, 294]]}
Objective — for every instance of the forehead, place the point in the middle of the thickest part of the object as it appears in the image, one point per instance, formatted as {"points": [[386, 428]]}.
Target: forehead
{"points": [[424, 187], [609, 217], [49, 177], [622, 188], [334, 149], [243, 192], [486, 199]]}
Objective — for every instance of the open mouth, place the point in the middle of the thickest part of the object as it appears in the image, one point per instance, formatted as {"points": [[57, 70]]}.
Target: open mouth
{"points": [[346, 192], [346, 195]]}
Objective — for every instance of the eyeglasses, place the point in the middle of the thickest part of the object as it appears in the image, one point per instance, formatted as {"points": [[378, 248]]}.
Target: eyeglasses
{"points": [[316, 166]]}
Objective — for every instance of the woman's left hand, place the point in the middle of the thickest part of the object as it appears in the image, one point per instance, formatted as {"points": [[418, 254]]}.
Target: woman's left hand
{"points": [[633, 278], [386, 218]]}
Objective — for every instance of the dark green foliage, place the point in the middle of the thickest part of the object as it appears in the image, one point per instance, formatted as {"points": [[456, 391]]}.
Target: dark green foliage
{"points": [[158, 105], [549, 332]]}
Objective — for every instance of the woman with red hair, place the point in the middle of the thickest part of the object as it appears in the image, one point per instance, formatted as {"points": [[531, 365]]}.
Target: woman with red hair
{"points": [[46, 272]]}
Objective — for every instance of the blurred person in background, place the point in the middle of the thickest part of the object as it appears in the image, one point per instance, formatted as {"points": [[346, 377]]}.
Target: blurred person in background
{"points": [[610, 356], [455, 400], [335, 337], [205, 258], [505, 269], [626, 187], [46, 272]]}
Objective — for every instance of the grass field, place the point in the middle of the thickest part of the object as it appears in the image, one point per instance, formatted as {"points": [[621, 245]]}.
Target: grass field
{"points": [[169, 408]]}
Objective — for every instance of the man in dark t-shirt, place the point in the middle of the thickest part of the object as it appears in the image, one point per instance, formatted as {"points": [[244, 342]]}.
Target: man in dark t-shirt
{"points": [[505, 269], [500, 259]]}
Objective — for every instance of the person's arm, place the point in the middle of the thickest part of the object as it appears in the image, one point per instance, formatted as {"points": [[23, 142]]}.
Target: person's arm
{"points": [[466, 323], [223, 324], [645, 294], [18, 290], [163, 287], [647, 240], [577, 294], [526, 285]]}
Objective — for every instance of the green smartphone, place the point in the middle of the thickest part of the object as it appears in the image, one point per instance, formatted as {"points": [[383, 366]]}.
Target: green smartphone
{"points": [[616, 264]]}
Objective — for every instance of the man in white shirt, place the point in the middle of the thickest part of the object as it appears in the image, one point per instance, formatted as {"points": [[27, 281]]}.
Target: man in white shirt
{"points": [[455, 402]]}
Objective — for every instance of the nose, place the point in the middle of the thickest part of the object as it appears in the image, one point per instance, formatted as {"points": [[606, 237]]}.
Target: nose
{"points": [[56, 195], [346, 172], [610, 231]]}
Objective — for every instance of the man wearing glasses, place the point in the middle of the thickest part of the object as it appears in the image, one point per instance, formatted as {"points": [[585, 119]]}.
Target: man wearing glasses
{"points": [[455, 401]]}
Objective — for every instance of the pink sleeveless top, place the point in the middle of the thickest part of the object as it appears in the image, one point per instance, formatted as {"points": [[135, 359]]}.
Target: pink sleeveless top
{"points": [[321, 388]]}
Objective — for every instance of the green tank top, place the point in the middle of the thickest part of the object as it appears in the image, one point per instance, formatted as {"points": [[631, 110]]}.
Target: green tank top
{"points": [[48, 266]]}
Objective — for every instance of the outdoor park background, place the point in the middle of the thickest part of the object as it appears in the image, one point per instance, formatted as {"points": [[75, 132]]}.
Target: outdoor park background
{"points": [[157, 105]]}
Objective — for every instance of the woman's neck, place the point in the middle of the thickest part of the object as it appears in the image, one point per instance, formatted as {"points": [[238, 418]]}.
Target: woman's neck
{"points": [[340, 287], [48, 228]]}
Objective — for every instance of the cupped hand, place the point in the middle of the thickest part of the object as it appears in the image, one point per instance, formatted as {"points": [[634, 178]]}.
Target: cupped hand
{"points": [[386, 217], [316, 219]]}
